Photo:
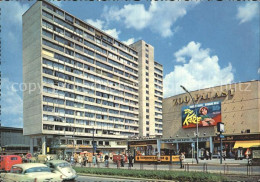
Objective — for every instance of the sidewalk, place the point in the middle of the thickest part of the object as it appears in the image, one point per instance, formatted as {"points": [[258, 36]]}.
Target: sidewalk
{"points": [[217, 161]]}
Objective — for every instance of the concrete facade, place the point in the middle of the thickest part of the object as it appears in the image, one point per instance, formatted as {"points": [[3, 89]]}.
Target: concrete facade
{"points": [[84, 80], [150, 92], [240, 110]]}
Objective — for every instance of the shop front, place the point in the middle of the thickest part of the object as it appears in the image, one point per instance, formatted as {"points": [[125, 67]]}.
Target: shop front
{"points": [[237, 146]]}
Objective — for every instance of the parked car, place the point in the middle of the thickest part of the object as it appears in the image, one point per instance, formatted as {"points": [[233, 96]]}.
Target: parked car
{"points": [[7, 161], [62, 167], [30, 172]]}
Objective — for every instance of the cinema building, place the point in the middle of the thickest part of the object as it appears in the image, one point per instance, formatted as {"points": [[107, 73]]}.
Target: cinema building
{"points": [[236, 105], [90, 89]]}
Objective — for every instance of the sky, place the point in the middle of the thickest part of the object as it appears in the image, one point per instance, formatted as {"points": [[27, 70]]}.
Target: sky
{"points": [[200, 44]]}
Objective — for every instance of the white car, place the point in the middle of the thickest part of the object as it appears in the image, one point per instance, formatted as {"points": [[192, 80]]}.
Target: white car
{"points": [[62, 167], [30, 172]]}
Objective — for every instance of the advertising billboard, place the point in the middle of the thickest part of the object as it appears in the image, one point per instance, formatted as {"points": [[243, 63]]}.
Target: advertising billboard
{"points": [[208, 114]]}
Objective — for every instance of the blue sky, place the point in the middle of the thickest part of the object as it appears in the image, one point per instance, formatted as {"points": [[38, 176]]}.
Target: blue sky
{"points": [[200, 44]]}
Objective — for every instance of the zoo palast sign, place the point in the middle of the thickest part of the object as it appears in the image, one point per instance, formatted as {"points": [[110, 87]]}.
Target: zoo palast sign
{"points": [[204, 96]]}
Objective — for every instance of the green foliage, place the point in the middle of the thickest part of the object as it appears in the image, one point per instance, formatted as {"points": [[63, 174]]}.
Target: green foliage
{"points": [[151, 174]]}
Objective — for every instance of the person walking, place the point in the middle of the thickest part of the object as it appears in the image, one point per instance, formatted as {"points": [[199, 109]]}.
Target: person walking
{"points": [[224, 155], [130, 159], [84, 160], [182, 158], [94, 160], [122, 160], [106, 160], [80, 161], [207, 155]]}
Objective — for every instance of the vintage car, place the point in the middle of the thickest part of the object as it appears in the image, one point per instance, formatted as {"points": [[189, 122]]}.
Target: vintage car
{"points": [[62, 167], [7, 161], [30, 172]]}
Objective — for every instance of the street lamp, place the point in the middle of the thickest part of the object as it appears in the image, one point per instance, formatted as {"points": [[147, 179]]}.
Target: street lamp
{"points": [[93, 141], [197, 131]]}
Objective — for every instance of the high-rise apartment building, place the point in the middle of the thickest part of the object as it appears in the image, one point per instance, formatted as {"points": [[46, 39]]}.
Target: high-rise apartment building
{"points": [[83, 82], [150, 91]]}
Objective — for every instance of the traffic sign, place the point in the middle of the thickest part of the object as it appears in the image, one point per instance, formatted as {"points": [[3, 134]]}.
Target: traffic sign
{"points": [[192, 145], [221, 136]]}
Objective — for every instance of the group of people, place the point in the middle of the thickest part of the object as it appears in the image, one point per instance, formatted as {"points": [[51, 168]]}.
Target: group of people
{"points": [[207, 155], [130, 160]]}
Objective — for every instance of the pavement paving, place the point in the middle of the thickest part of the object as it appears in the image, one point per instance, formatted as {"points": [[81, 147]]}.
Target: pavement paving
{"points": [[228, 166]]}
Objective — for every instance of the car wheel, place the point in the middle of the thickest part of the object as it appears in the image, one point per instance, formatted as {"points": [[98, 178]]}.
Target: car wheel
{"points": [[70, 180]]}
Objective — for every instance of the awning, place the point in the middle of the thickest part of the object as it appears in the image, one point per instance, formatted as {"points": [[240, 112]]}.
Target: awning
{"points": [[138, 145], [247, 144]]}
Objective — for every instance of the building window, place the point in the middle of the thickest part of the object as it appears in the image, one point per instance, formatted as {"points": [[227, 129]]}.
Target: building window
{"points": [[147, 123], [146, 61], [147, 129]]}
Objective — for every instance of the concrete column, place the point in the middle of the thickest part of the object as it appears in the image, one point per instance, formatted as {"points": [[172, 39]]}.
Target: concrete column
{"points": [[177, 147], [31, 145], [211, 144], [43, 145], [159, 146]]}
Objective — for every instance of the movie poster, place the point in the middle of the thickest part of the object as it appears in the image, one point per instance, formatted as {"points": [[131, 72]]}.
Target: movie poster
{"points": [[206, 114]]}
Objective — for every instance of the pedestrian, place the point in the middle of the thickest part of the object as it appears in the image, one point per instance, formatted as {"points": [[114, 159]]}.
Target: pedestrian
{"points": [[182, 158], [84, 160], [87, 158], [122, 160], [224, 155], [94, 160], [80, 160], [207, 154], [130, 159], [106, 160], [210, 155]]}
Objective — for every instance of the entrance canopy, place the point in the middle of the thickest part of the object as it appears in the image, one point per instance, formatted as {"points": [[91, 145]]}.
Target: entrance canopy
{"points": [[247, 144]]}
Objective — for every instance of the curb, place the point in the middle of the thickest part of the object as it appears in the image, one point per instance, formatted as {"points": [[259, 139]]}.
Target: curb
{"points": [[123, 177]]}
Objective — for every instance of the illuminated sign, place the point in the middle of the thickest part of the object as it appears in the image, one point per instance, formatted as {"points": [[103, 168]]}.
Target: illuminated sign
{"points": [[208, 114]]}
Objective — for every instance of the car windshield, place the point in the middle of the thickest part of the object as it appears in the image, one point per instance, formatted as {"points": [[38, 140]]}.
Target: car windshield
{"points": [[64, 164], [37, 169]]}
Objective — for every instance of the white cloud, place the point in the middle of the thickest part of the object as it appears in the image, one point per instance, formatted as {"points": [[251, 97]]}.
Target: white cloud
{"points": [[129, 41], [258, 71], [113, 32], [159, 17], [12, 103], [247, 12], [57, 3], [12, 12], [198, 70], [100, 25]]}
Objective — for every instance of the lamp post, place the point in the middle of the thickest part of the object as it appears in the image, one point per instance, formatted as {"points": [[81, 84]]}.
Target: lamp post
{"points": [[93, 141], [220, 129], [197, 131]]}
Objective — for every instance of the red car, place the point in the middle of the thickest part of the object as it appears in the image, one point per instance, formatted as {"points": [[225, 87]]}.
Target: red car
{"points": [[7, 161]]}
